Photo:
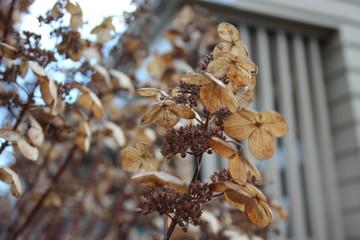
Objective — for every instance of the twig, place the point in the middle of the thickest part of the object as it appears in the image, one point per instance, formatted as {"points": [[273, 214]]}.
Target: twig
{"points": [[19, 119], [40, 202]]}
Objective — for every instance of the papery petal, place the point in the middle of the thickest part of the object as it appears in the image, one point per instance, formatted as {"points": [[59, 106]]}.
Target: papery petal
{"points": [[261, 144], [151, 115], [237, 169], [222, 148], [240, 125], [274, 123], [210, 96]]}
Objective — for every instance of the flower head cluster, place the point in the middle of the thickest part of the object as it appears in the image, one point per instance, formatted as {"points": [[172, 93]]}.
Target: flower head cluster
{"points": [[224, 87], [185, 207]]}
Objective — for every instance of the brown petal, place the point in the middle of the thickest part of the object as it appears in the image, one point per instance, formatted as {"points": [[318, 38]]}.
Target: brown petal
{"points": [[244, 99], [255, 192], [148, 92], [166, 119], [7, 175], [182, 111], [236, 199], [279, 209], [229, 99], [240, 125], [256, 213], [151, 115], [253, 169], [162, 178], [219, 67], [274, 123], [237, 169], [261, 144], [222, 148], [7, 50], [228, 32], [131, 159], [144, 150], [268, 211], [196, 79], [210, 96], [27, 150]]}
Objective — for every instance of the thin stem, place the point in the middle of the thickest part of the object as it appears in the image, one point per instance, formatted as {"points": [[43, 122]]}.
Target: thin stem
{"points": [[170, 229], [19, 119], [42, 199]]}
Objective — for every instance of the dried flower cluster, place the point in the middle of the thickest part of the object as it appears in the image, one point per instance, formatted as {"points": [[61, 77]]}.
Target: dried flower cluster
{"points": [[184, 209], [224, 87]]}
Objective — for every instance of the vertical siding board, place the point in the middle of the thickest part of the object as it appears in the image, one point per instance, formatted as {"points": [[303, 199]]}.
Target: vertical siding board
{"points": [[266, 97], [325, 143], [245, 37], [307, 134], [292, 173]]}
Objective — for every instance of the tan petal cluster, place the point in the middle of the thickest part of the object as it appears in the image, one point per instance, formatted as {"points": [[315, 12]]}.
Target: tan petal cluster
{"points": [[139, 158], [237, 160], [247, 198], [232, 44], [239, 69], [166, 114], [231, 58], [213, 92], [259, 128]]}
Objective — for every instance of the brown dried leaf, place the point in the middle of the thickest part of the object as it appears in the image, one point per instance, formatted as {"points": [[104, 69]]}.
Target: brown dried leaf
{"points": [[255, 192], [228, 32], [7, 175], [222, 148], [261, 144], [160, 179], [24, 66], [8, 51], [27, 150], [9, 135], [83, 138], [237, 169], [273, 123], [253, 169], [158, 66], [76, 20], [150, 92], [279, 209], [116, 132], [235, 199], [139, 158], [38, 70], [240, 125], [48, 91], [104, 30], [36, 136], [166, 114], [101, 75], [196, 79], [89, 100], [83, 143], [122, 80], [256, 213]]}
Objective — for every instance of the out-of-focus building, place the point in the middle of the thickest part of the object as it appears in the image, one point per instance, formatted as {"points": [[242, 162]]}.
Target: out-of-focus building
{"points": [[308, 53]]}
